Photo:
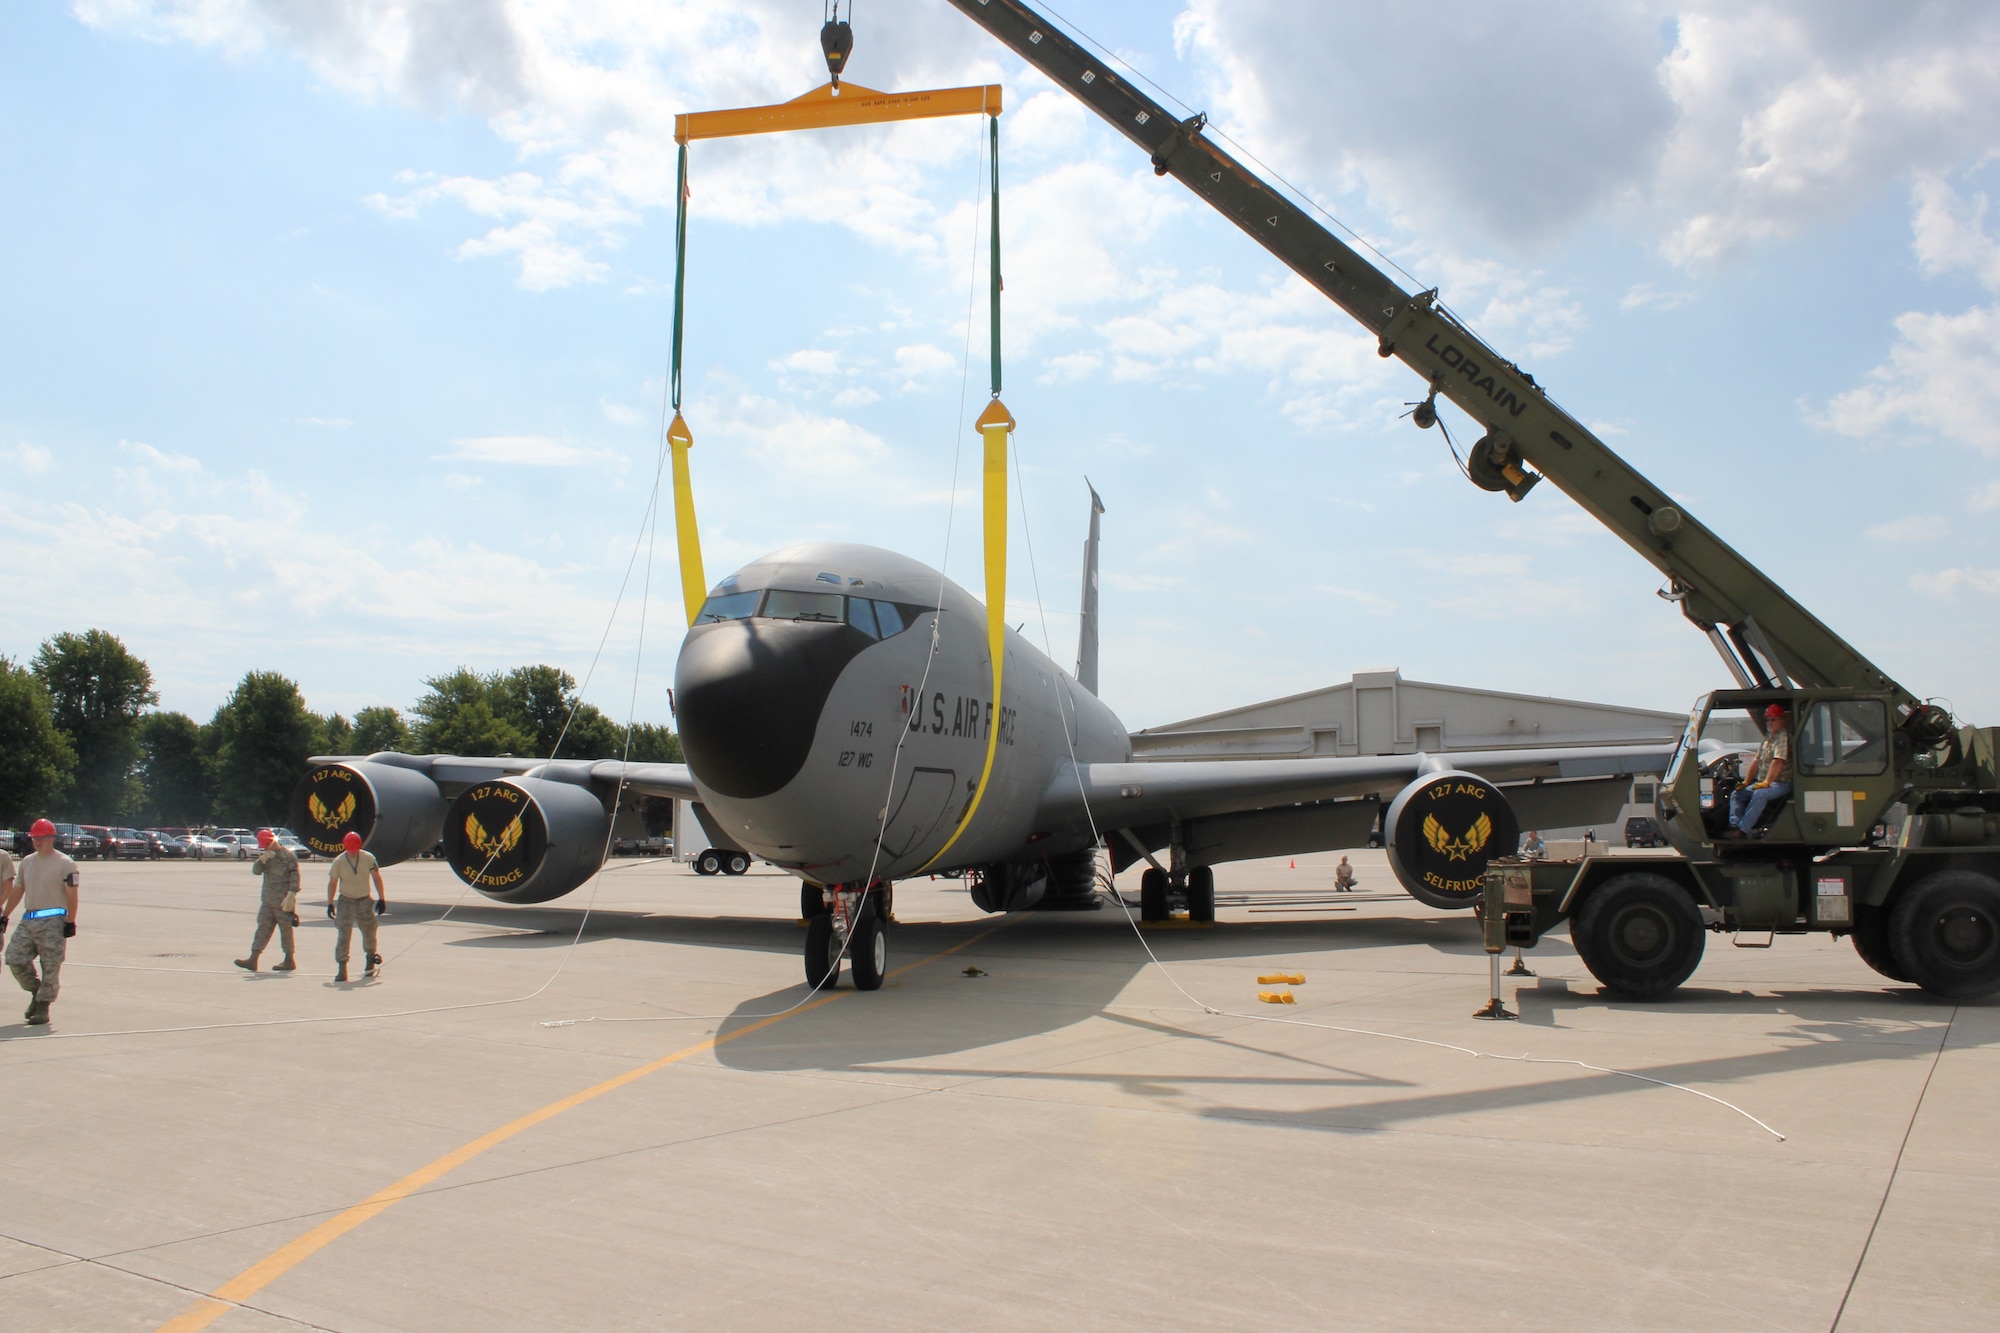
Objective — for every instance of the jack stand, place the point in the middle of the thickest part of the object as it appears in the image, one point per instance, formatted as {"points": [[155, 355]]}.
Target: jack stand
{"points": [[1494, 1008], [1520, 968]]}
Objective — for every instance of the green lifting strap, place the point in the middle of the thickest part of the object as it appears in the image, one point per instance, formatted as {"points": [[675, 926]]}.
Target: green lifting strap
{"points": [[994, 123], [680, 272]]}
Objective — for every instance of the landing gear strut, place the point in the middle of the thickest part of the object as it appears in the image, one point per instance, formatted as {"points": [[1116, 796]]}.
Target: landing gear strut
{"points": [[851, 920]]}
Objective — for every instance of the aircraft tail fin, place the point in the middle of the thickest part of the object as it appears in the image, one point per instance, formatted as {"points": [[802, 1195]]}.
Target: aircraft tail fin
{"points": [[1086, 635]]}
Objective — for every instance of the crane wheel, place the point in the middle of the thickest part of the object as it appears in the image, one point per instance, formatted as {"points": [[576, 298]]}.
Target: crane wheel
{"points": [[1945, 931], [1640, 935], [1153, 895], [1871, 941]]}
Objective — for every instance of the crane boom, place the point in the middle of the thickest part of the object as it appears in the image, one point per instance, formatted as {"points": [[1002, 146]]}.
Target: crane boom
{"points": [[1764, 635]]}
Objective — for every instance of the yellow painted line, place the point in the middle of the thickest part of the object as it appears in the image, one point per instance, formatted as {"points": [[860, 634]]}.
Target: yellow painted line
{"points": [[287, 1257]]}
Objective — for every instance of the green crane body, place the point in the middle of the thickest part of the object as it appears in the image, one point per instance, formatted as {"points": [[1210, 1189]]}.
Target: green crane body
{"points": [[1919, 895]]}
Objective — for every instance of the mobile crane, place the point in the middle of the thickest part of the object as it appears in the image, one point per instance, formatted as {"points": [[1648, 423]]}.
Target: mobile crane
{"points": [[1919, 895]]}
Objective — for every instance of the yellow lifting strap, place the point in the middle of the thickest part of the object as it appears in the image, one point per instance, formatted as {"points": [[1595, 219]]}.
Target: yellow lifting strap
{"points": [[995, 423], [694, 585]]}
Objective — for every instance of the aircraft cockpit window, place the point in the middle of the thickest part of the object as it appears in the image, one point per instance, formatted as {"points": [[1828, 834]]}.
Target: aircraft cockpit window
{"points": [[780, 604], [728, 606], [861, 615], [890, 617]]}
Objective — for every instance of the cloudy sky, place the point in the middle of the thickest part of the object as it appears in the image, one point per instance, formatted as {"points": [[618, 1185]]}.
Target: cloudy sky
{"points": [[332, 337]]}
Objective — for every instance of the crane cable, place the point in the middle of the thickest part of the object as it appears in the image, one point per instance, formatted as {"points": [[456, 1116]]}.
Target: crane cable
{"points": [[694, 583]]}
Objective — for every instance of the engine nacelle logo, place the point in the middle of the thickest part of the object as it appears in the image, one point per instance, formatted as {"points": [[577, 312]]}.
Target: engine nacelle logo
{"points": [[330, 803], [495, 836], [1443, 829]]}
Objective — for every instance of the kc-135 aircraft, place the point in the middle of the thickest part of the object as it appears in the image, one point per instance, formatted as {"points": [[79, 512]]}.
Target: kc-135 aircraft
{"points": [[834, 712]]}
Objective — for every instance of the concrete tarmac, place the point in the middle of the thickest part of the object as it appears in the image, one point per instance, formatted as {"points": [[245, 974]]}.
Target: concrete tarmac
{"points": [[1029, 1127]]}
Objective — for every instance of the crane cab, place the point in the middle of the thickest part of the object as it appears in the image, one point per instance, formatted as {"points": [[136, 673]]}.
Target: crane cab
{"points": [[1841, 768]]}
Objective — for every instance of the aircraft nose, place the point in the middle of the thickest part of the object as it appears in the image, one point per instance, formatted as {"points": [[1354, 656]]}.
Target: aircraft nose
{"points": [[748, 695]]}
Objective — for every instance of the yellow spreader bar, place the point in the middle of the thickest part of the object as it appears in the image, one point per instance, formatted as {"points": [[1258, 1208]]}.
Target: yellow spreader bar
{"points": [[850, 105], [694, 584], [994, 424]]}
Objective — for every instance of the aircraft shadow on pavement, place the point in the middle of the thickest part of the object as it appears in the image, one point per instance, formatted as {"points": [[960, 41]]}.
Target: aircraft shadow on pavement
{"points": [[1041, 972]]}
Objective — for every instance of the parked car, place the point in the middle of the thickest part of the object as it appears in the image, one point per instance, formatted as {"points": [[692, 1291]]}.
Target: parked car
{"points": [[238, 844], [293, 841], [125, 844], [1643, 831], [163, 844], [102, 834], [201, 847], [75, 842]]}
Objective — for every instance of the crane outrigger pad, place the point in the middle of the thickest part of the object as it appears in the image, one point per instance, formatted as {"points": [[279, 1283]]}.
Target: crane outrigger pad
{"points": [[850, 104]]}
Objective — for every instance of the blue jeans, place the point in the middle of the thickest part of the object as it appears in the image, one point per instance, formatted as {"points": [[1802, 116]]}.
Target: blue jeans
{"points": [[1746, 806]]}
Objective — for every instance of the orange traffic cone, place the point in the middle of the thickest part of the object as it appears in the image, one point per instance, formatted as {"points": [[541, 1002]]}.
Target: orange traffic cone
{"points": [[1294, 865]]}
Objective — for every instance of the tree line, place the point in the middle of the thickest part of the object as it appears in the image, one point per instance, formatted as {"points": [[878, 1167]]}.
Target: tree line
{"points": [[79, 735]]}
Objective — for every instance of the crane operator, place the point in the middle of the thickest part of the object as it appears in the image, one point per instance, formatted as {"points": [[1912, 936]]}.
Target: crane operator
{"points": [[1768, 778]]}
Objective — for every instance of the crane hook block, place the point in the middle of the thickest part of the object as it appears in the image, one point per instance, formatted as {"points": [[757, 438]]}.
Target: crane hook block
{"points": [[837, 40]]}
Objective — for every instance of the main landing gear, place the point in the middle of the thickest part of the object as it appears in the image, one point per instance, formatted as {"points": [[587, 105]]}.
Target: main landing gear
{"points": [[850, 921], [1158, 892]]}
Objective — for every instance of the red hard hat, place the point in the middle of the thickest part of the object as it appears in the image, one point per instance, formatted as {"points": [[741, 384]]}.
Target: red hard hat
{"points": [[42, 828], [1775, 710], [265, 837], [352, 842]]}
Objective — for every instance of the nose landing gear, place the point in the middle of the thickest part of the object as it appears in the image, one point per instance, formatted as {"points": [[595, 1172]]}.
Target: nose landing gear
{"points": [[853, 922]]}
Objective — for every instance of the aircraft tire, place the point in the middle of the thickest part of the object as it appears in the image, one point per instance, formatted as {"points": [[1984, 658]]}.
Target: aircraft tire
{"points": [[812, 901], [1945, 932], [1871, 941], [1640, 935], [822, 953], [736, 863], [708, 863], [1201, 894], [1153, 895], [868, 950]]}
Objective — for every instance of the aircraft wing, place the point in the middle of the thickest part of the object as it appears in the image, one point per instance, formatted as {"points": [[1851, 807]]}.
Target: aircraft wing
{"points": [[1142, 793], [1235, 808], [453, 772]]}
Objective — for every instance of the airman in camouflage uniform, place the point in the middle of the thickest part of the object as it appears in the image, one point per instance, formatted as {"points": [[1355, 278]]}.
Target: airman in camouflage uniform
{"points": [[277, 905], [45, 891]]}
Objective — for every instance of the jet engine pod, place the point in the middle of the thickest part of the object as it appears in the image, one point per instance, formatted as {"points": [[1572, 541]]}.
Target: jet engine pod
{"points": [[526, 840], [398, 812], [1442, 830]]}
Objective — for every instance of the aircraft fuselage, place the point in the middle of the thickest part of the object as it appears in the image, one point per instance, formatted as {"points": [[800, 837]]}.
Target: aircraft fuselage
{"points": [[835, 703]]}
